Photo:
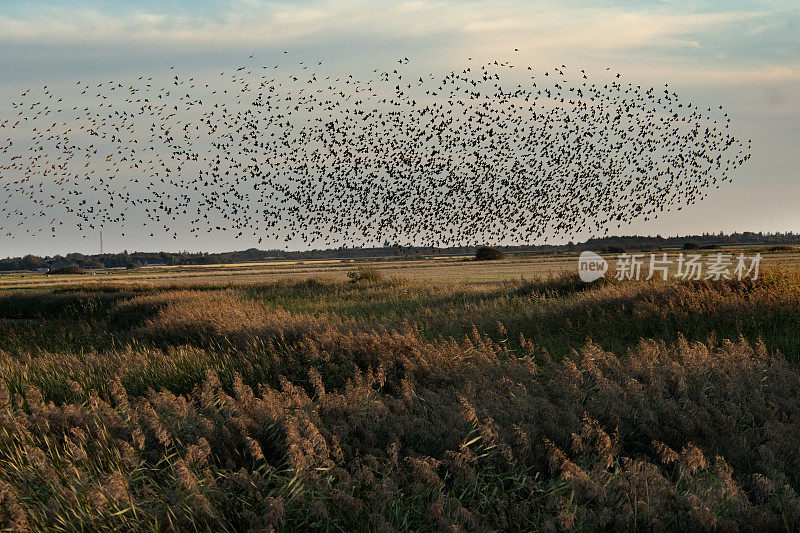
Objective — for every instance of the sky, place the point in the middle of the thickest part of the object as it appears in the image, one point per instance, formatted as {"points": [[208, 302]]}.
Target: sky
{"points": [[743, 55]]}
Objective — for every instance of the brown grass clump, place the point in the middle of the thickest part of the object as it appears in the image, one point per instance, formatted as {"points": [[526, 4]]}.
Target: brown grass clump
{"points": [[365, 274], [261, 408]]}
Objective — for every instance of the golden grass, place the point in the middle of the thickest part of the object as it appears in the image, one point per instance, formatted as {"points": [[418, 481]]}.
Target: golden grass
{"points": [[402, 405], [441, 269]]}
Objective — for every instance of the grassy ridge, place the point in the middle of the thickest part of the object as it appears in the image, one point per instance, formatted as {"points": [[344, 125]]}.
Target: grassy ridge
{"points": [[396, 405]]}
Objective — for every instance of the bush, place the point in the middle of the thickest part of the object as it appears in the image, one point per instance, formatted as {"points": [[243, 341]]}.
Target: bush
{"points": [[615, 250], [487, 253], [690, 246], [67, 270], [134, 265], [363, 273]]}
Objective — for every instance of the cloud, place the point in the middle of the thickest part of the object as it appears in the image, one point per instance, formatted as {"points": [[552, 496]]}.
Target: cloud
{"points": [[712, 45], [602, 30], [537, 23]]}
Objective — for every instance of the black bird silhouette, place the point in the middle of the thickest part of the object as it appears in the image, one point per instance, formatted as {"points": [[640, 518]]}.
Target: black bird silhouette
{"points": [[303, 154]]}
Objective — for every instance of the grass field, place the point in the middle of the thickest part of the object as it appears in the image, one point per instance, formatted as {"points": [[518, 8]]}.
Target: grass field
{"points": [[444, 395], [437, 269]]}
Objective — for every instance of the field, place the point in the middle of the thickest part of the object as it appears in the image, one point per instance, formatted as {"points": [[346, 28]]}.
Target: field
{"points": [[436, 269], [438, 394]]}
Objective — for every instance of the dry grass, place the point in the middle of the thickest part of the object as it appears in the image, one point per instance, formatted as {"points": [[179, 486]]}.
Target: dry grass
{"points": [[442, 269], [542, 404]]}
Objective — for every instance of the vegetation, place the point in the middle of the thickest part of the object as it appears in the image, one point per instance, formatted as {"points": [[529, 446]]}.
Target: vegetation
{"points": [[778, 242], [487, 253], [67, 270], [365, 273], [539, 404]]}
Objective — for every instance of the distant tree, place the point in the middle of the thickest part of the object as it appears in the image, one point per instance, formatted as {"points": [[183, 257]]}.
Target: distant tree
{"points": [[85, 262], [690, 246], [487, 253], [616, 249], [71, 270], [133, 265], [32, 262]]}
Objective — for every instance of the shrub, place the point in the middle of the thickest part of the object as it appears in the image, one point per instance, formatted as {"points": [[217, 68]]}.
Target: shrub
{"points": [[364, 273], [67, 270], [616, 250], [690, 246], [487, 253]]}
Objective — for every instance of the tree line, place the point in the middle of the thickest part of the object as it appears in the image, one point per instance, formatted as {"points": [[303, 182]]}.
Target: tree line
{"points": [[605, 244]]}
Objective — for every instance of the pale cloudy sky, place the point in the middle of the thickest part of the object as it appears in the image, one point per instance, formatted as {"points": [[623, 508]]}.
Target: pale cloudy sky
{"points": [[744, 55]]}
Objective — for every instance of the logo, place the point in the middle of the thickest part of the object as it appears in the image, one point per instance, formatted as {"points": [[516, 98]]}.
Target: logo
{"points": [[591, 266], [715, 267]]}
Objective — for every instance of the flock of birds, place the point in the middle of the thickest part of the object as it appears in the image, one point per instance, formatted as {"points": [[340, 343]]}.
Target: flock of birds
{"points": [[491, 152]]}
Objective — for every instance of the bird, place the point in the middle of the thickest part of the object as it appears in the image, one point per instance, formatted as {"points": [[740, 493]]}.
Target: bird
{"points": [[302, 154]]}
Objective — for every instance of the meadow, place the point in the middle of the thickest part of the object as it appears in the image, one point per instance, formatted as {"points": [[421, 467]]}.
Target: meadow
{"points": [[417, 395]]}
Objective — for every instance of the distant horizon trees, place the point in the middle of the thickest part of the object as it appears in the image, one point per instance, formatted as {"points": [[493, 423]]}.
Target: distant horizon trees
{"points": [[604, 245]]}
